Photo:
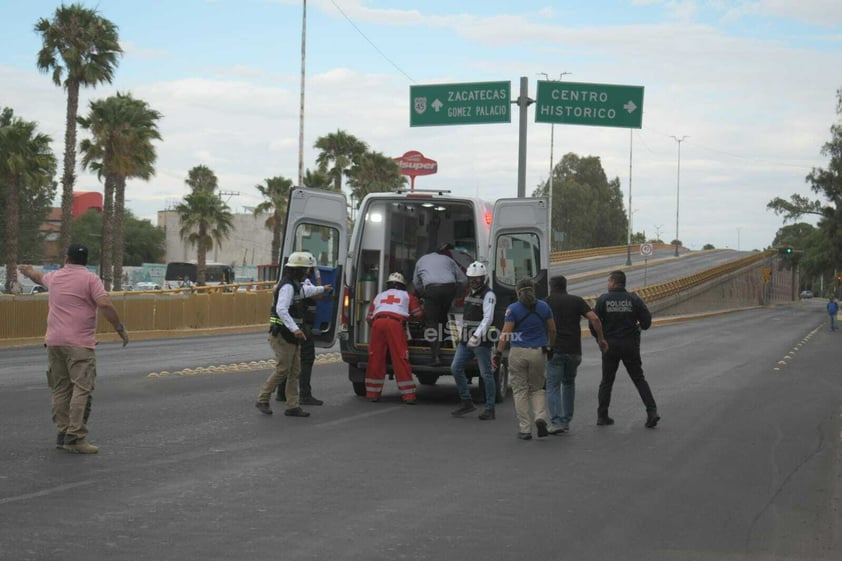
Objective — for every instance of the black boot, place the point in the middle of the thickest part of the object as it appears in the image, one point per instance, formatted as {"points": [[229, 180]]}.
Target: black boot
{"points": [[652, 419], [465, 407], [487, 415], [435, 349]]}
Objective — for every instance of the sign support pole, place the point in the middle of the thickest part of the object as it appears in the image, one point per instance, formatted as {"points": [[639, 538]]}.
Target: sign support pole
{"points": [[628, 245], [523, 102]]}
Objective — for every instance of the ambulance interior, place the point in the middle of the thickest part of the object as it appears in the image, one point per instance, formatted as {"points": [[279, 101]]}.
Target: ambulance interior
{"points": [[396, 233]]}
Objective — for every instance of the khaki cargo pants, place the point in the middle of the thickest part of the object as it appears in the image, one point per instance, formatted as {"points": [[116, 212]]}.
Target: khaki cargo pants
{"points": [[71, 374], [287, 371]]}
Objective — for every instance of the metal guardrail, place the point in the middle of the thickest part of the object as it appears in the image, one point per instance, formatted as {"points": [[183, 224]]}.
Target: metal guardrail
{"points": [[681, 284], [573, 254]]}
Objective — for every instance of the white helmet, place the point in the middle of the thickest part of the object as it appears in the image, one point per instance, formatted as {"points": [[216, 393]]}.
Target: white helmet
{"points": [[476, 269], [301, 259], [396, 277]]}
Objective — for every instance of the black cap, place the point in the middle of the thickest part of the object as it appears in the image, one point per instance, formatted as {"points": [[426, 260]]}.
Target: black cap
{"points": [[78, 253]]}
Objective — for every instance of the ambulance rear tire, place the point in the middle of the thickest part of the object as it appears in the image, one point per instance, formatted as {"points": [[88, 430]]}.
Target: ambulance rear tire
{"points": [[427, 379], [357, 378]]}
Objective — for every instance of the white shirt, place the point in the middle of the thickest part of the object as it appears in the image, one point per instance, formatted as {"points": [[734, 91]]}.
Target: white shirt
{"points": [[435, 268], [285, 296]]}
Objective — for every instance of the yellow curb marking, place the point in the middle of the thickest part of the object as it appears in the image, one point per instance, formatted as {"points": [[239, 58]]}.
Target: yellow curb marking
{"points": [[325, 358]]}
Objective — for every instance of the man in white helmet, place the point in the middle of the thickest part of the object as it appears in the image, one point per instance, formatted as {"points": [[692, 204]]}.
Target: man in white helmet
{"points": [[285, 333], [387, 315], [308, 347], [475, 340]]}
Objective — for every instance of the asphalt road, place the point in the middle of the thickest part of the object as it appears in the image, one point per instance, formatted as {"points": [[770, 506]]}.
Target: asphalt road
{"points": [[746, 464]]}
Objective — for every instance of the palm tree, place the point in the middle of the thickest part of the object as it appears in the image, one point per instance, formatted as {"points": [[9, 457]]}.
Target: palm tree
{"points": [[202, 178], [81, 48], [276, 192], [205, 219], [316, 179], [374, 173], [26, 161], [123, 129], [340, 149]]}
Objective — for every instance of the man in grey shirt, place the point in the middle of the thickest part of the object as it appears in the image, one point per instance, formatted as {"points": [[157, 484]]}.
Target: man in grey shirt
{"points": [[436, 279]]}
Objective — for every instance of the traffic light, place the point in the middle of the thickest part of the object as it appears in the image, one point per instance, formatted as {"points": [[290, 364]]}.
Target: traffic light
{"points": [[786, 250]]}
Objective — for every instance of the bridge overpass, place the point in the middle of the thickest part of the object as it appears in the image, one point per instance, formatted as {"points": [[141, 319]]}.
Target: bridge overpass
{"points": [[693, 283]]}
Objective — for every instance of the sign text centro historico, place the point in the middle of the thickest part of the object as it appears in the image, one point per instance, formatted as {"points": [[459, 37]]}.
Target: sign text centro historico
{"points": [[599, 105], [460, 104]]}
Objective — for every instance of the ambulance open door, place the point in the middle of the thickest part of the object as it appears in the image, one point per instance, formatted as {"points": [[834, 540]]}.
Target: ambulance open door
{"points": [[317, 221], [519, 248]]}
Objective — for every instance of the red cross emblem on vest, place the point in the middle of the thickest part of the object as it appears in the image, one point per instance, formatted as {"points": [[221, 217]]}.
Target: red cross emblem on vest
{"points": [[391, 299]]}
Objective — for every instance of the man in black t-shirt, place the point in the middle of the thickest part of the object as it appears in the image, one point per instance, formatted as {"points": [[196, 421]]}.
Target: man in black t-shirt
{"points": [[568, 310]]}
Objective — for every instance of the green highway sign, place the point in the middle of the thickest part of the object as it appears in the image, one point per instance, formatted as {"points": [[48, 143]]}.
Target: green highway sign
{"points": [[597, 105], [460, 104]]}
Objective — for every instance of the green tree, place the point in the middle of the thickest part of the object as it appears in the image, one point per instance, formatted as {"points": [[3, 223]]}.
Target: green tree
{"points": [[373, 172], [26, 164], [145, 242], [827, 183], [205, 218], [587, 208], [316, 179], [276, 195], [201, 178], [337, 153], [79, 48], [122, 130]]}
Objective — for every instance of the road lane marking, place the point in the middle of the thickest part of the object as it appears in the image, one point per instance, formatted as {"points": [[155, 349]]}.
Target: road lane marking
{"points": [[790, 354], [324, 358], [45, 492], [380, 410]]}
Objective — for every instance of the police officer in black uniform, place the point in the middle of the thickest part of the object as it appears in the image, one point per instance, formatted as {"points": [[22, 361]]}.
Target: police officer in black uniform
{"points": [[623, 316]]}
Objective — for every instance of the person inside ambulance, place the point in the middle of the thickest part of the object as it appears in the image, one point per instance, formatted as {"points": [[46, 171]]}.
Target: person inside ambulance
{"points": [[437, 278], [387, 316]]}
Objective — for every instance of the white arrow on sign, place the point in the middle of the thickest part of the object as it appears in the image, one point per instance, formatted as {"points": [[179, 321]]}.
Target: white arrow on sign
{"points": [[437, 105], [630, 106]]}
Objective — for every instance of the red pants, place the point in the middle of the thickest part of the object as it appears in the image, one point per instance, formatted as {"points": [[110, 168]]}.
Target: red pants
{"points": [[388, 335]]}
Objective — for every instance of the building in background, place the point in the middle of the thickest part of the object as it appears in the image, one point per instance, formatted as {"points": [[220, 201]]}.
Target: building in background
{"points": [[250, 242], [51, 228]]}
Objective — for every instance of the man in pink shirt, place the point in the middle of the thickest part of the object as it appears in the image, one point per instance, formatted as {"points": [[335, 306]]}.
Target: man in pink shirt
{"points": [[75, 295]]}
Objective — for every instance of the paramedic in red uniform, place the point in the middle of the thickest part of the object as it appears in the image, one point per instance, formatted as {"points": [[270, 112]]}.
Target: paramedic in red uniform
{"points": [[387, 315]]}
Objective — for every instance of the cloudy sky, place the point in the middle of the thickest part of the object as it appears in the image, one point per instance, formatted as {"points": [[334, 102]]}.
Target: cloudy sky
{"points": [[750, 84]]}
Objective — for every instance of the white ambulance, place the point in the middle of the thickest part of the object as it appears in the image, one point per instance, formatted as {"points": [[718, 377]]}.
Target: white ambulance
{"points": [[390, 232]]}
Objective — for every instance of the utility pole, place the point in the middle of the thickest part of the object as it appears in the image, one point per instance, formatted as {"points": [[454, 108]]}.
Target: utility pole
{"points": [[301, 98], [677, 187]]}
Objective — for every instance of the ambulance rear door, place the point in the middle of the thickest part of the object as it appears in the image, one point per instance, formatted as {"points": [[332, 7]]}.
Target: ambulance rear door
{"points": [[317, 221], [518, 248]]}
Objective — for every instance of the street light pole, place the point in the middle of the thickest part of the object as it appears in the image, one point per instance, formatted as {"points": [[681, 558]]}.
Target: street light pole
{"points": [[550, 180], [677, 187]]}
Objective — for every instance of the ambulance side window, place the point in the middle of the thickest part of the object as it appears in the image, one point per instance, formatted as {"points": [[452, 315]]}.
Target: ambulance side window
{"points": [[518, 256], [321, 241]]}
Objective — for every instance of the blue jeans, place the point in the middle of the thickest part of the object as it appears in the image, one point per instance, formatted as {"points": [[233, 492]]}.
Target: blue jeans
{"points": [[461, 358], [833, 322], [561, 374]]}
